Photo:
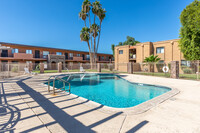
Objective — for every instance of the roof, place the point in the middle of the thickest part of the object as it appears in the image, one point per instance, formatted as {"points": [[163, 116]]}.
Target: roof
{"points": [[23, 45]]}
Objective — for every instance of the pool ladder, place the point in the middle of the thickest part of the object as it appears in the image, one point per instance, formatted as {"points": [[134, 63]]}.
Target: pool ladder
{"points": [[62, 80]]}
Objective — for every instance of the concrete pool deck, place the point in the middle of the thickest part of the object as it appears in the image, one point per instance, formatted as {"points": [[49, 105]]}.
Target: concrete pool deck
{"points": [[26, 106]]}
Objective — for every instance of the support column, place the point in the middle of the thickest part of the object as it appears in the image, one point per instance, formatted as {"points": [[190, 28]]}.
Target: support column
{"points": [[98, 67], [30, 67], [130, 68], [60, 67], [41, 67], [175, 69]]}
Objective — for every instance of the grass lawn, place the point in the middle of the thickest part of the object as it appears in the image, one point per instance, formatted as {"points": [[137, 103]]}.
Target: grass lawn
{"points": [[167, 75], [76, 70], [181, 76]]}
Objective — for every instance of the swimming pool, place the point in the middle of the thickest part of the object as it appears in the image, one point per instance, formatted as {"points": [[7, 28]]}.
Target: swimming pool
{"points": [[111, 90]]}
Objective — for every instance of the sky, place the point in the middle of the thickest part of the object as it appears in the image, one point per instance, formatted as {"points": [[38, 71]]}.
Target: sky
{"points": [[55, 23]]}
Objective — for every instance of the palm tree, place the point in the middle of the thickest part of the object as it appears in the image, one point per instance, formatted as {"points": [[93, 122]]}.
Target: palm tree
{"points": [[85, 36], [86, 8], [152, 58], [93, 30], [95, 8], [101, 15], [83, 15]]}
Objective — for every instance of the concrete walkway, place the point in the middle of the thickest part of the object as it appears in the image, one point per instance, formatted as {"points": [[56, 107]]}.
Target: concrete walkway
{"points": [[26, 106]]}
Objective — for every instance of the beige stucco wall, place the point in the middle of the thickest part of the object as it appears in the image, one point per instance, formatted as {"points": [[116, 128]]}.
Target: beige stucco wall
{"points": [[171, 52], [121, 59], [143, 50]]}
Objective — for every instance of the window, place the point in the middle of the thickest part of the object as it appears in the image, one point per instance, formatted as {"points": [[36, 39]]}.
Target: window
{"points": [[45, 54], [83, 56], [88, 57], [120, 51], [4, 53], [102, 57], [15, 50], [160, 50], [107, 58], [78, 55], [66, 55], [28, 51], [58, 53], [70, 54]]}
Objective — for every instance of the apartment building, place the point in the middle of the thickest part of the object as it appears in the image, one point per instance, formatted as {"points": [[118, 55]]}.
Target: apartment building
{"points": [[166, 50], [19, 53]]}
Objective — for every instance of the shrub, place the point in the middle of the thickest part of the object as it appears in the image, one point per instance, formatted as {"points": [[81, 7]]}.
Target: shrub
{"points": [[14, 69], [187, 71]]}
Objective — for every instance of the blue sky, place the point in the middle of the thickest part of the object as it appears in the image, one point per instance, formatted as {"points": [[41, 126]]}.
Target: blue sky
{"points": [[55, 23]]}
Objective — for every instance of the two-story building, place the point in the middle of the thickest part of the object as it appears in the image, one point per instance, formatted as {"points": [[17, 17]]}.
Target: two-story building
{"points": [[166, 50], [18, 53]]}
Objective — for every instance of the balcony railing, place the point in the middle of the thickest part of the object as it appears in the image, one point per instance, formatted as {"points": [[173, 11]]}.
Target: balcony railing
{"points": [[22, 56], [77, 58]]}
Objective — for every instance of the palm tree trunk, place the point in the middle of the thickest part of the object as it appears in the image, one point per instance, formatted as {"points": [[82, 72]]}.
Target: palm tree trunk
{"points": [[85, 22], [94, 49], [91, 48], [90, 31], [94, 43], [94, 18], [98, 37]]}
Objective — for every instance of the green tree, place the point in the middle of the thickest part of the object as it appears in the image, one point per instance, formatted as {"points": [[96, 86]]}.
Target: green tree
{"points": [[113, 49], [150, 61], [91, 32], [190, 31], [130, 41], [152, 58], [120, 44]]}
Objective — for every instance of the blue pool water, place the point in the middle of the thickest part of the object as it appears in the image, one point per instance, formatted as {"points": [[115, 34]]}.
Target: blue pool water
{"points": [[111, 90]]}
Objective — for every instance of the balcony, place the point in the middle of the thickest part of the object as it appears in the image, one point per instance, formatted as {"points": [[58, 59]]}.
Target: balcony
{"points": [[22, 56], [77, 58], [132, 57]]}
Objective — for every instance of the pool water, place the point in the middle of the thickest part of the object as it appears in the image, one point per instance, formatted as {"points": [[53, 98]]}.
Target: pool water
{"points": [[111, 90]]}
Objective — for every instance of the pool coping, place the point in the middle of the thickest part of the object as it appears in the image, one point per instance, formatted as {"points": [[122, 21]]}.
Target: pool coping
{"points": [[138, 109]]}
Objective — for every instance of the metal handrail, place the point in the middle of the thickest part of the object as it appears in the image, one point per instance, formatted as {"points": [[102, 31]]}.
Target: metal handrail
{"points": [[49, 82], [56, 77]]}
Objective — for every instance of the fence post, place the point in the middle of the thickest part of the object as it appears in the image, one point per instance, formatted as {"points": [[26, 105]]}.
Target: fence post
{"points": [[98, 67], [60, 67], [130, 68], [174, 69], [30, 67], [8, 69], [41, 67]]}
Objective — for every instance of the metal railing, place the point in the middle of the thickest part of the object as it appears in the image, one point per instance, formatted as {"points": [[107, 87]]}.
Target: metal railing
{"points": [[62, 80]]}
